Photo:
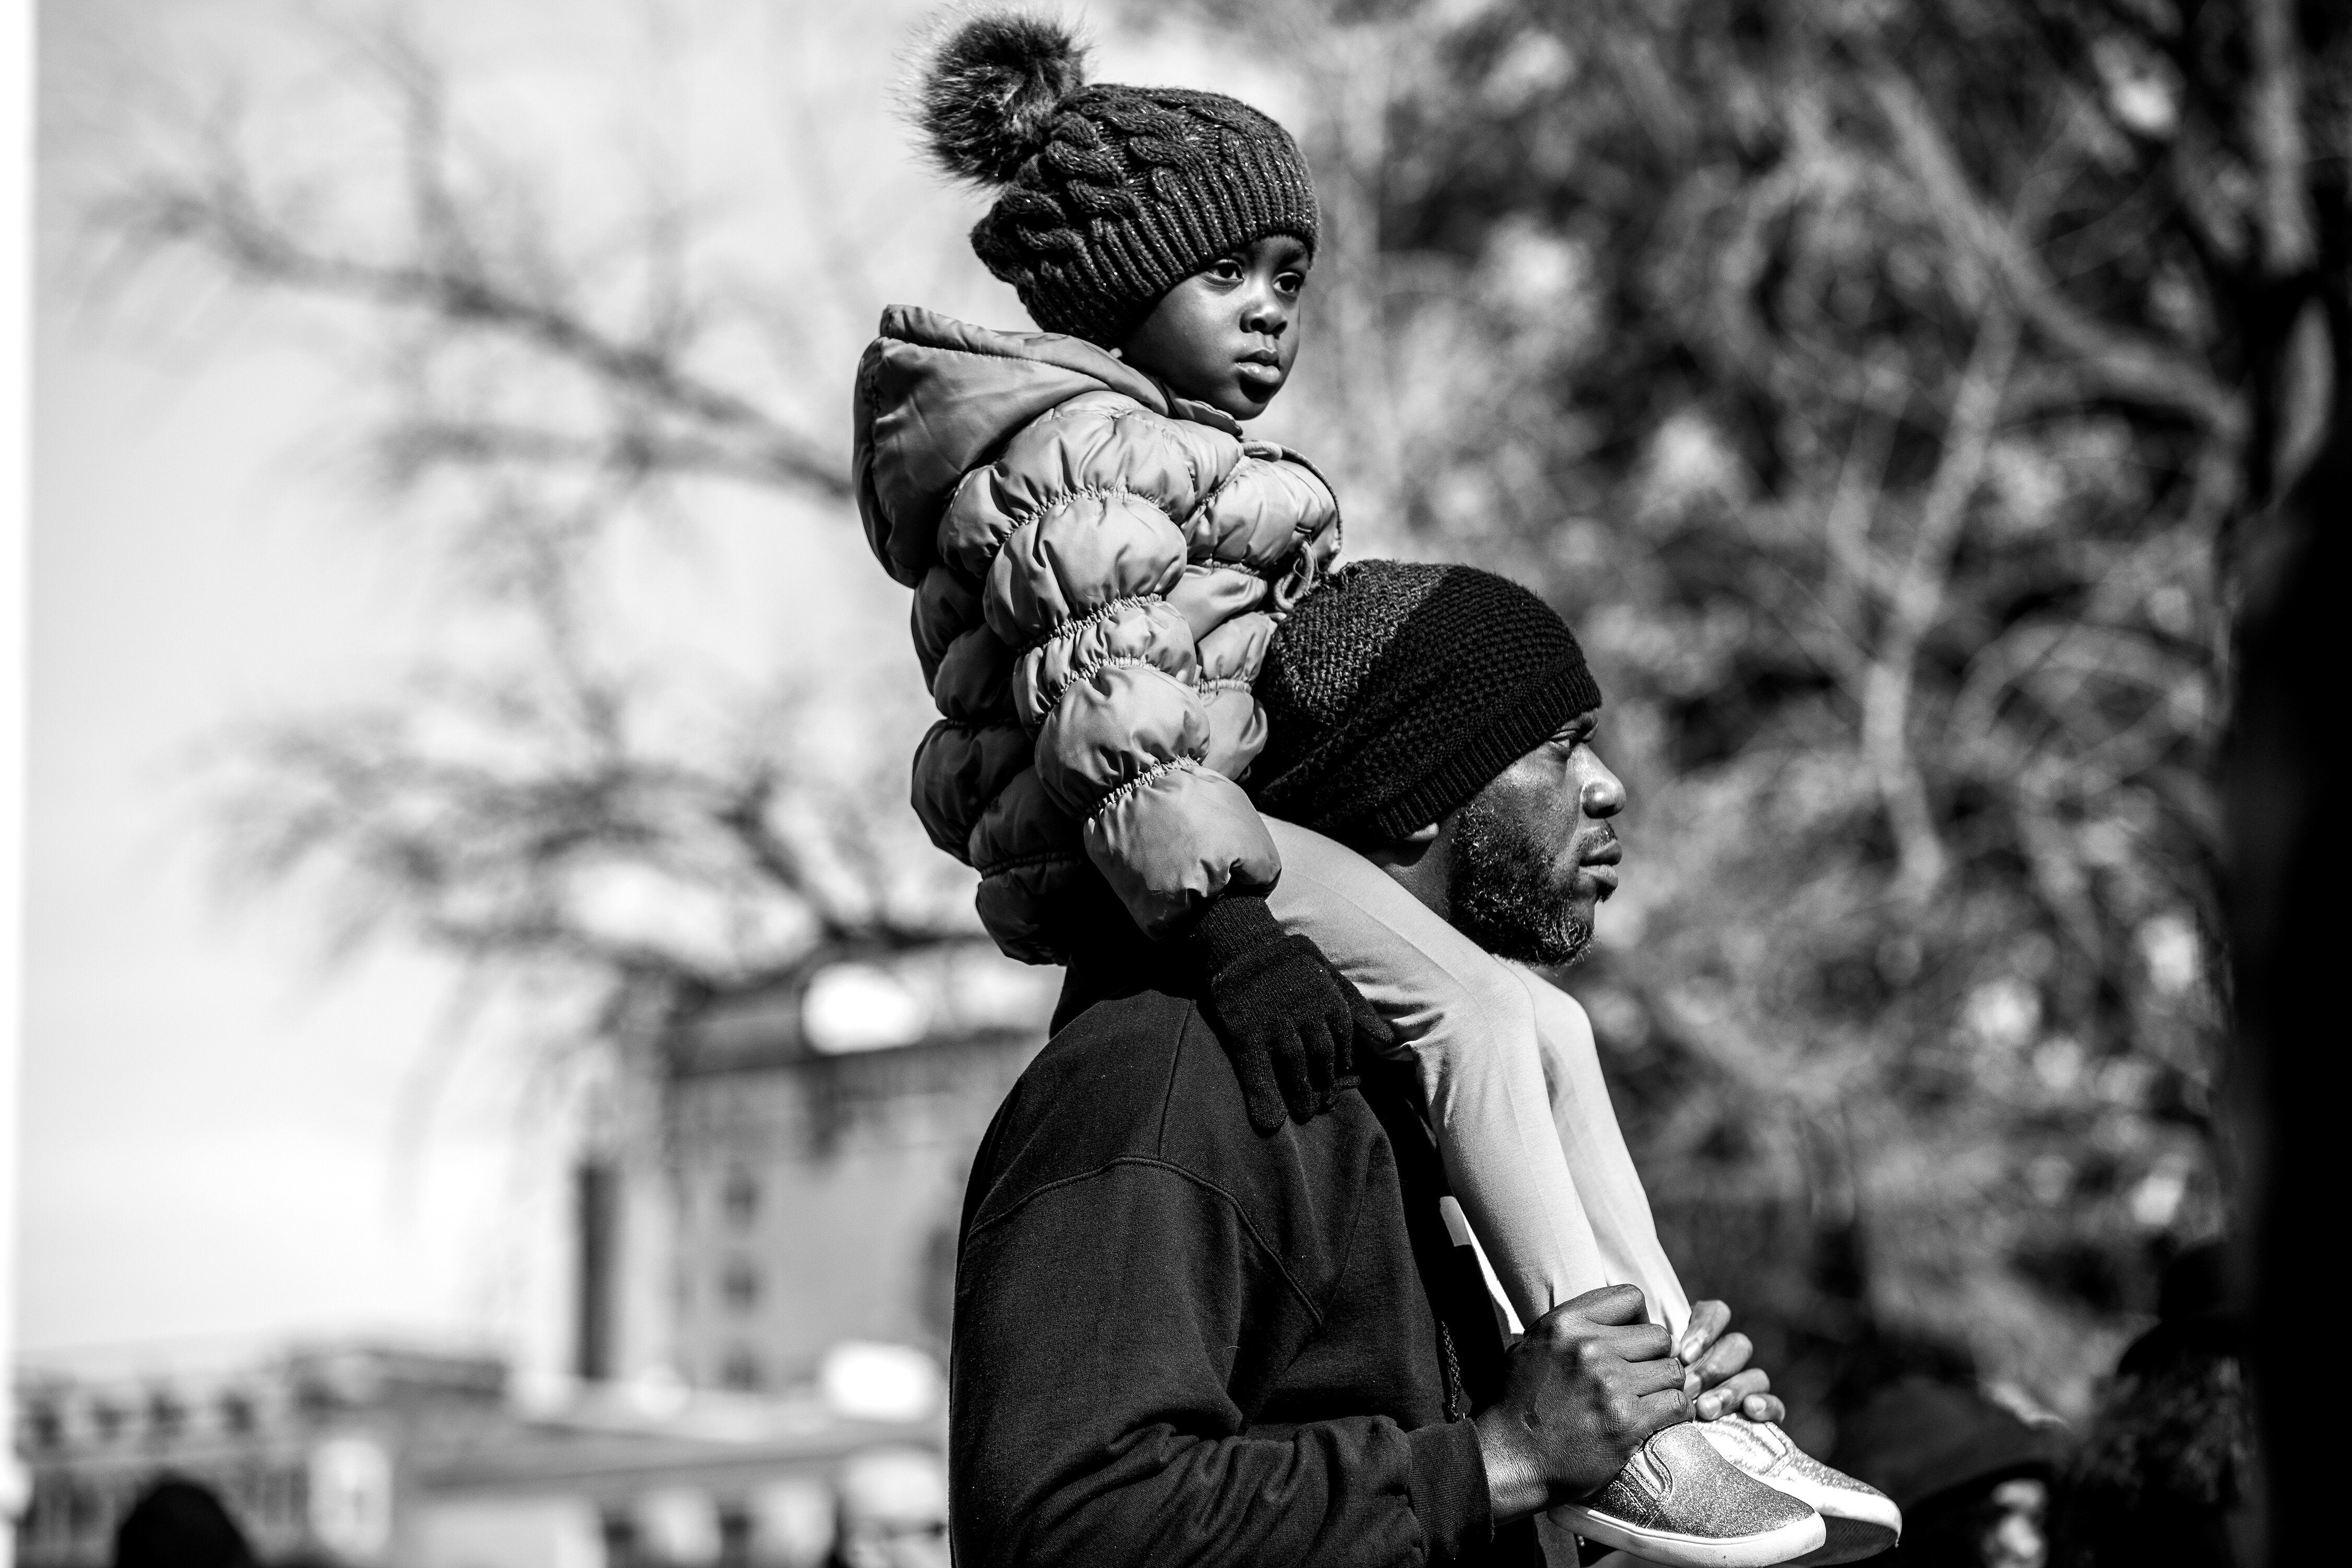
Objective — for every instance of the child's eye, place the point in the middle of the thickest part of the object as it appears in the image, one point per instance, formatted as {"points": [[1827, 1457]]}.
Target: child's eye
{"points": [[1291, 282], [1226, 271]]}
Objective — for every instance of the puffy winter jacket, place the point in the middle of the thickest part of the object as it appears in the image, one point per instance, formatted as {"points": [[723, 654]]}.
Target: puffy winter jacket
{"points": [[1098, 565]]}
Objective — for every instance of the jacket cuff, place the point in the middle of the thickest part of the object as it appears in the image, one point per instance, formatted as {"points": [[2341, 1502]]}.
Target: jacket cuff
{"points": [[1234, 923], [1448, 1483]]}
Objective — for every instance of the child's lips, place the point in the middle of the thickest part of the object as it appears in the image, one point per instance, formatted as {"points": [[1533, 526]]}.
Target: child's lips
{"points": [[1257, 378]]}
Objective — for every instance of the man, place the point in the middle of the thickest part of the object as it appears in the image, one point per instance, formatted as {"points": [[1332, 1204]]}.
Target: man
{"points": [[1181, 1338], [180, 1523]]}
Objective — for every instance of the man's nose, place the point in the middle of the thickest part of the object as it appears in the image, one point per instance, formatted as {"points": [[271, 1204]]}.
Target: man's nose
{"points": [[1602, 794]]}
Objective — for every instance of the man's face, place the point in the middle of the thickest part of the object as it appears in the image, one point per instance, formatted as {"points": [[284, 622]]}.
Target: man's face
{"points": [[1533, 854]]}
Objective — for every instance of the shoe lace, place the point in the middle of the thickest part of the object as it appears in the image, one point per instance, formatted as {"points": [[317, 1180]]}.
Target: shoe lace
{"points": [[1457, 1399]]}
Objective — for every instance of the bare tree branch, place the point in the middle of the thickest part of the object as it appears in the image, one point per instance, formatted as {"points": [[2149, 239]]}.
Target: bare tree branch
{"points": [[229, 224], [2127, 364], [2290, 241], [1918, 598], [469, 289]]}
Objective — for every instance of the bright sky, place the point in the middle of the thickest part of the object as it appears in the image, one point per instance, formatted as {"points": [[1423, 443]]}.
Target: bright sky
{"points": [[222, 1143], [210, 1143]]}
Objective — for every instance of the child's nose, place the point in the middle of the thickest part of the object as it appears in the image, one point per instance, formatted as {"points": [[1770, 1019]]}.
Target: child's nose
{"points": [[1265, 314]]}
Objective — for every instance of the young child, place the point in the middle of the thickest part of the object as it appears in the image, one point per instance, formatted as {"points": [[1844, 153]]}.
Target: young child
{"points": [[1098, 559]]}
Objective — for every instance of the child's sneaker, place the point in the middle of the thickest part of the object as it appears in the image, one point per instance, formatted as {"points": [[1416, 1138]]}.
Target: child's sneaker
{"points": [[1676, 1501], [1863, 1522]]}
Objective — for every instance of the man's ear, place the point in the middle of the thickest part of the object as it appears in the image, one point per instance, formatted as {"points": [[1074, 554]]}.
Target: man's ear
{"points": [[1419, 861]]}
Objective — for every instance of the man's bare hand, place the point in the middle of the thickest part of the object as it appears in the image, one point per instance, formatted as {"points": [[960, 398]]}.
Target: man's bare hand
{"points": [[1716, 1378], [1590, 1381]]}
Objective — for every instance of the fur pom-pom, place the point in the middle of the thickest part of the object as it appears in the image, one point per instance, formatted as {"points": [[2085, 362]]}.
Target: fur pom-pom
{"points": [[990, 89]]}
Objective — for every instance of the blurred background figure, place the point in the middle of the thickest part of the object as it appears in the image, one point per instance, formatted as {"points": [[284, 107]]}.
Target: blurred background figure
{"points": [[180, 1523], [2166, 1478], [894, 1512], [1973, 1479]]}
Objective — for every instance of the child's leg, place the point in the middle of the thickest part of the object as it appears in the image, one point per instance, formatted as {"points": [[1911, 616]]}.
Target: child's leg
{"points": [[1614, 1200], [1470, 1026], [1525, 1160]]}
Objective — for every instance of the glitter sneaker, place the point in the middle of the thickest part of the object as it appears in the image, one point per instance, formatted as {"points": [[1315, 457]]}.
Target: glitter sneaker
{"points": [[1677, 1501], [1861, 1520]]}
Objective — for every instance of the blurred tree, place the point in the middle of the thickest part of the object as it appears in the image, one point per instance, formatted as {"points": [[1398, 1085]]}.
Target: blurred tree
{"points": [[1886, 392], [568, 815]]}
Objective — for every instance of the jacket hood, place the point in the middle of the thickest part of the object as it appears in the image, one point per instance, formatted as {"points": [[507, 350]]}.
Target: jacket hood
{"points": [[937, 398]]}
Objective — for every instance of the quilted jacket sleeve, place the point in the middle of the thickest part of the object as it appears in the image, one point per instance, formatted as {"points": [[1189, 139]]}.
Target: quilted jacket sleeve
{"points": [[1121, 563], [975, 785], [1259, 538]]}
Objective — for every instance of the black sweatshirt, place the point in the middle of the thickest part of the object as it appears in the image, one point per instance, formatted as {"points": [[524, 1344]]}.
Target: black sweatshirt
{"points": [[1177, 1342]]}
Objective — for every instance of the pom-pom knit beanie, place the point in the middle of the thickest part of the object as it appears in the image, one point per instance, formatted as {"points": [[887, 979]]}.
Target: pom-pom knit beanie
{"points": [[1111, 196], [1396, 691]]}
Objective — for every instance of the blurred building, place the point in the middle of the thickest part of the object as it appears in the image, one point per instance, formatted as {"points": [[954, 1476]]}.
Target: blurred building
{"points": [[761, 1257], [368, 1456], [801, 1182], [311, 1450]]}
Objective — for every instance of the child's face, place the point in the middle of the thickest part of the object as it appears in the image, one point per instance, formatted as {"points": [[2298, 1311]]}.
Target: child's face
{"points": [[1226, 336]]}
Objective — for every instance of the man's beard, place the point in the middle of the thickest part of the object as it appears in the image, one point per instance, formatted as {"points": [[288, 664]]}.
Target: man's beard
{"points": [[1502, 895]]}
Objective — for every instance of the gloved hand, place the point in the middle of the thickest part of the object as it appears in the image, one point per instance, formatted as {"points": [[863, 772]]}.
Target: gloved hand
{"points": [[1289, 1020]]}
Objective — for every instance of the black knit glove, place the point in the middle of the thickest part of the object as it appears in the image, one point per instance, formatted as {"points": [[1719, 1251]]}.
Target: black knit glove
{"points": [[1289, 1020]]}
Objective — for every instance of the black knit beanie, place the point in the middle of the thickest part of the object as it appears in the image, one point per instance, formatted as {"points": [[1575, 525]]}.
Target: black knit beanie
{"points": [[1112, 195], [1395, 692]]}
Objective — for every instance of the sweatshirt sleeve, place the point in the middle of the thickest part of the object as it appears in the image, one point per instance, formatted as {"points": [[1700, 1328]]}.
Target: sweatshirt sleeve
{"points": [[1090, 1417]]}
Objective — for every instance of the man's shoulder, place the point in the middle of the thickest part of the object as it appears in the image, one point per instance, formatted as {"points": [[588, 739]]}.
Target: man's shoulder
{"points": [[1111, 1071], [1105, 1090], [1142, 1078]]}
